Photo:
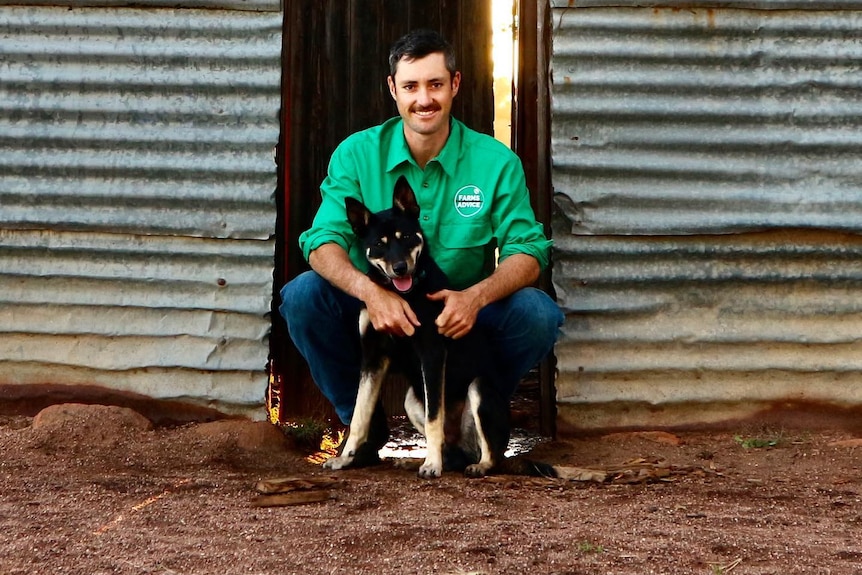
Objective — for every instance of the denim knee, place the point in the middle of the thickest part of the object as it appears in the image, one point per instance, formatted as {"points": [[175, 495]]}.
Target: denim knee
{"points": [[536, 315], [323, 323], [523, 328], [309, 296], [298, 295]]}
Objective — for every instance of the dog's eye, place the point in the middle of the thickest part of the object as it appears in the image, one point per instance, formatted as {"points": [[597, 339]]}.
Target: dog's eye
{"points": [[380, 244]]}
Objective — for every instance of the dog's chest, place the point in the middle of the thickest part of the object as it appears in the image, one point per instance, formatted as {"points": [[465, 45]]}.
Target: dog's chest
{"points": [[426, 310]]}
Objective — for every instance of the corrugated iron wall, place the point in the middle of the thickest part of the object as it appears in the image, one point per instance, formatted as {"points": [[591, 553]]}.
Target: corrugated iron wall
{"points": [[708, 196], [136, 200]]}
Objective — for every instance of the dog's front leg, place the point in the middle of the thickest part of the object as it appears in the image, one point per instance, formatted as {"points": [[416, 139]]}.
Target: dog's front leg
{"points": [[374, 367], [366, 400], [433, 371], [486, 460], [415, 410]]}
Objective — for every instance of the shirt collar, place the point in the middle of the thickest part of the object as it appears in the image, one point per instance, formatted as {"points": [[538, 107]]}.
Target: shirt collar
{"points": [[447, 158]]}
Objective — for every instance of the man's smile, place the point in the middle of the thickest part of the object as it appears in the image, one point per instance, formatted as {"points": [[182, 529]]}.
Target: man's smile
{"points": [[425, 113]]}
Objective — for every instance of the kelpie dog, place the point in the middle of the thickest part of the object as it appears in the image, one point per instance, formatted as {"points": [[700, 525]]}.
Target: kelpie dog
{"points": [[450, 377]]}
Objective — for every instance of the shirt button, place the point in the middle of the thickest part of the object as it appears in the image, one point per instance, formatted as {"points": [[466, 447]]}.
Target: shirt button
{"points": [[424, 184], [426, 218]]}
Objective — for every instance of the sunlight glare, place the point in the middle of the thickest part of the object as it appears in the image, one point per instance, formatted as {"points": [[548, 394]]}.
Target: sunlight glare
{"points": [[503, 54]]}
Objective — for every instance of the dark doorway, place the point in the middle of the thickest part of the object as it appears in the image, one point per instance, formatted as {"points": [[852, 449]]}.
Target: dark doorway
{"points": [[334, 83]]}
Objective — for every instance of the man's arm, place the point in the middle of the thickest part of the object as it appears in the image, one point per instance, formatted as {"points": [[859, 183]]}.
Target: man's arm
{"points": [[386, 310], [462, 307]]}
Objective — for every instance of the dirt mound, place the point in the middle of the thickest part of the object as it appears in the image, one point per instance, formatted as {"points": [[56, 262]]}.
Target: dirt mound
{"points": [[118, 437], [78, 427], [240, 443], [255, 437]]}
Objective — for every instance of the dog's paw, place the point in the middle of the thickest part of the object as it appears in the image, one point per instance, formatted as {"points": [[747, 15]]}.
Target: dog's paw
{"points": [[337, 463], [478, 470], [430, 470]]}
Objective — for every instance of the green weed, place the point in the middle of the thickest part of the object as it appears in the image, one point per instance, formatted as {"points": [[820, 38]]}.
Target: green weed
{"points": [[588, 547], [762, 439], [755, 442], [307, 433]]}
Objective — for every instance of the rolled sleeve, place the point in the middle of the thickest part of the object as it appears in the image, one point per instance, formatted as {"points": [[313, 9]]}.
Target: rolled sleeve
{"points": [[330, 224], [538, 249], [516, 228]]}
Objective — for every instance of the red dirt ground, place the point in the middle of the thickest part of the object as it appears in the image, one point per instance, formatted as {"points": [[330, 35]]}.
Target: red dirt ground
{"points": [[93, 490]]}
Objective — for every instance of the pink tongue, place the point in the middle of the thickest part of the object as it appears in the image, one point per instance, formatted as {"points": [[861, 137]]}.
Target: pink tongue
{"points": [[403, 284]]}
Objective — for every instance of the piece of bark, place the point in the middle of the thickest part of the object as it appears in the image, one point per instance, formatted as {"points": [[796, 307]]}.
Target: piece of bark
{"points": [[581, 474], [291, 484], [295, 498]]}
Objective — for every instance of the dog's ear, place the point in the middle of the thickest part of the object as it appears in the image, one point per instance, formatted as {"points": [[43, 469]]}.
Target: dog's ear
{"points": [[358, 216], [404, 199]]}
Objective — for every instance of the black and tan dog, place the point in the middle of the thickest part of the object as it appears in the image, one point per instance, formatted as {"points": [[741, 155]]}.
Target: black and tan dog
{"points": [[449, 378]]}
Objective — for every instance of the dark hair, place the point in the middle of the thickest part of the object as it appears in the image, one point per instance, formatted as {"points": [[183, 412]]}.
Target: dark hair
{"points": [[418, 44]]}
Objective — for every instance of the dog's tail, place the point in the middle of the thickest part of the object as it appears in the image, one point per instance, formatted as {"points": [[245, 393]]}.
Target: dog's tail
{"points": [[523, 465]]}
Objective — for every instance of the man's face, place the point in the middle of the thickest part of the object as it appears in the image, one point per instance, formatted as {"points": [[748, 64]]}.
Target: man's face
{"points": [[423, 91]]}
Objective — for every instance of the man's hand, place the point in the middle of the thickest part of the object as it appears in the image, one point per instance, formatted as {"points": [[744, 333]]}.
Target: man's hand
{"points": [[389, 313], [460, 310]]}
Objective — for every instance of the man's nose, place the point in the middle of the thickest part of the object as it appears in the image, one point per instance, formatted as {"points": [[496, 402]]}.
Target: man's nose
{"points": [[423, 97]]}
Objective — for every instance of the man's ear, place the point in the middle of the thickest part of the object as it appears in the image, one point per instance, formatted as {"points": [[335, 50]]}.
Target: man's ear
{"points": [[391, 81], [358, 215], [456, 83], [404, 199]]}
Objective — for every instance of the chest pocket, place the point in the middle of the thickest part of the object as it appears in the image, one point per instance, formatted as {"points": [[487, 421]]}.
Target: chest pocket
{"points": [[465, 235], [467, 254]]}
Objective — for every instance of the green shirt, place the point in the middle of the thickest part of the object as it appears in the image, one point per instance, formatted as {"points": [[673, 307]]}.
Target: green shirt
{"points": [[473, 192]]}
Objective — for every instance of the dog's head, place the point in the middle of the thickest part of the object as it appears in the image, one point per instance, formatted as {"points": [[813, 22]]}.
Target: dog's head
{"points": [[392, 238]]}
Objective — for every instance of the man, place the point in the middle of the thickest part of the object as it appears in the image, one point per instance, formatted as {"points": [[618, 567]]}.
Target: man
{"points": [[471, 190]]}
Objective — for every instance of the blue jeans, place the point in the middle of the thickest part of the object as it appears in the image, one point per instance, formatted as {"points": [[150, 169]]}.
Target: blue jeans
{"points": [[323, 324]]}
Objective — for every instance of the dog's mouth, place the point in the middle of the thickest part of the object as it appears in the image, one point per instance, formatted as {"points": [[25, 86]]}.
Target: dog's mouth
{"points": [[402, 284]]}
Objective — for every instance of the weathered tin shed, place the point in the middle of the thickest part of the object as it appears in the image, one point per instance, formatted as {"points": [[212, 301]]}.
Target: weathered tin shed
{"points": [[137, 208], [708, 205]]}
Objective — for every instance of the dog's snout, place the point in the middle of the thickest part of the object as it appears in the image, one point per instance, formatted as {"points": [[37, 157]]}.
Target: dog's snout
{"points": [[400, 268]]}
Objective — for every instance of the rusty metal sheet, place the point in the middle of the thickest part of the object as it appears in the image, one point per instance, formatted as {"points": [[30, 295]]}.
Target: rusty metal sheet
{"points": [[136, 200], [706, 121], [692, 331], [708, 212], [251, 5]]}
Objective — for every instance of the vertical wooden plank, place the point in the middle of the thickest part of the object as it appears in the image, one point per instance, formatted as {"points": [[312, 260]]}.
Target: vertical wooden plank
{"points": [[473, 43], [532, 143], [392, 25], [424, 15], [451, 25], [394, 21], [334, 91], [369, 49]]}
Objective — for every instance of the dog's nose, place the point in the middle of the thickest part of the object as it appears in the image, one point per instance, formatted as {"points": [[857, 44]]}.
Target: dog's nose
{"points": [[400, 268]]}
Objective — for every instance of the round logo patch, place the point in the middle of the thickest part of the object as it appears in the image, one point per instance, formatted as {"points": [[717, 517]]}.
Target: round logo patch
{"points": [[469, 201]]}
